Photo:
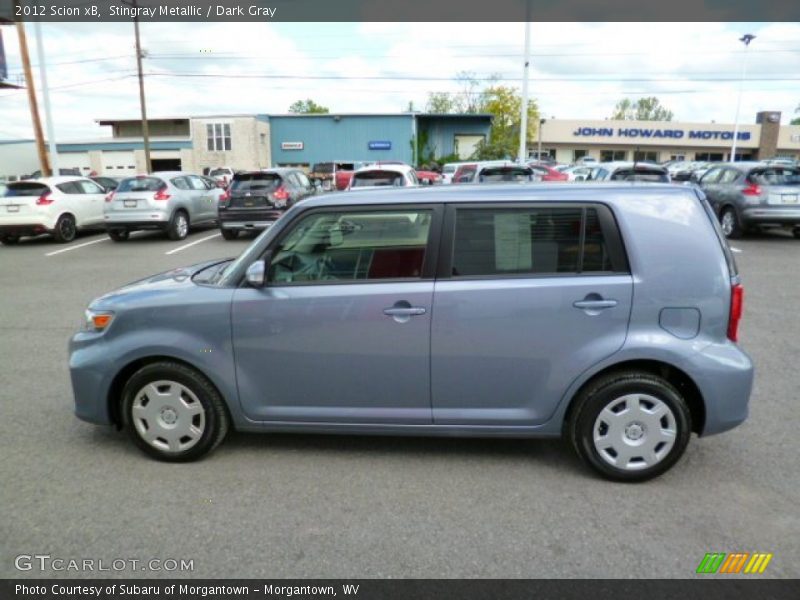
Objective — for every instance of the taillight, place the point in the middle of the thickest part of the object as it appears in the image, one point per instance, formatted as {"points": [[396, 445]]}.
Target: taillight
{"points": [[737, 306], [752, 189], [110, 197], [44, 199], [161, 194], [280, 194]]}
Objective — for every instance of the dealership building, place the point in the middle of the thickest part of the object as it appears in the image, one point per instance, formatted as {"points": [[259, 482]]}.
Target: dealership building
{"points": [[568, 140], [245, 141], [256, 141]]}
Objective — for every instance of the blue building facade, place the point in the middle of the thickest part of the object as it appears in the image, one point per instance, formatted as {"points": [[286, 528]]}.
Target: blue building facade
{"points": [[310, 139]]}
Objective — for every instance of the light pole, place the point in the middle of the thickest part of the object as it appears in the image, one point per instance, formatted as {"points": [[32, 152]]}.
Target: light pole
{"points": [[522, 155], [746, 39], [539, 149]]}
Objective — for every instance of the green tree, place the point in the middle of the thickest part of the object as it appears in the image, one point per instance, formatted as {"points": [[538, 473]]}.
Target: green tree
{"points": [[308, 107], [504, 104], [644, 109], [797, 120], [442, 103]]}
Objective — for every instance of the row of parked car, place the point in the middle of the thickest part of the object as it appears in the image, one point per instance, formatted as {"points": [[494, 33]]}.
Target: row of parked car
{"points": [[744, 195]]}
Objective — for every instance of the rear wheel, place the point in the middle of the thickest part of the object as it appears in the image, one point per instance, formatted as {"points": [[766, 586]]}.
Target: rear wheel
{"points": [[9, 240], [178, 226], [65, 230], [230, 234], [796, 233], [173, 413], [630, 426], [730, 223], [119, 235]]}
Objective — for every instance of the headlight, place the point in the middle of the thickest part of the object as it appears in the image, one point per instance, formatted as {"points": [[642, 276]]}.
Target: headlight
{"points": [[98, 320]]}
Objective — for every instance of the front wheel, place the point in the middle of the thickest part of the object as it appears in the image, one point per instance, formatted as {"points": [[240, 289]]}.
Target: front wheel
{"points": [[9, 240], [630, 426], [730, 223], [119, 235], [173, 413], [796, 233], [230, 234]]}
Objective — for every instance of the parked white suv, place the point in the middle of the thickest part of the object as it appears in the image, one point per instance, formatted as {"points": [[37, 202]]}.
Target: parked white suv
{"points": [[56, 205]]}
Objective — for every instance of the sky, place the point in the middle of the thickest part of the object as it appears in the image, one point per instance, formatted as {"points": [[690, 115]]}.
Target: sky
{"points": [[577, 70]]}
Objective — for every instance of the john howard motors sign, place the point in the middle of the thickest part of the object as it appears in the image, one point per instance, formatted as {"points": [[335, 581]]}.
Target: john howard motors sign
{"points": [[675, 134]]}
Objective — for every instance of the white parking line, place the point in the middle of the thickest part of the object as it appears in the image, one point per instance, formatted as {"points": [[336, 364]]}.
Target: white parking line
{"points": [[75, 247], [190, 244], [737, 250]]}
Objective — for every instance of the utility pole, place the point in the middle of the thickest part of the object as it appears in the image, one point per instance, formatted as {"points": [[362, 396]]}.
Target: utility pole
{"points": [[523, 125], [539, 150], [48, 115], [745, 39], [37, 124], [142, 104]]}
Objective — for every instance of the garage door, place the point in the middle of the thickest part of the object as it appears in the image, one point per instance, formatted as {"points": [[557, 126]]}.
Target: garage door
{"points": [[119, 163], [75, 160], [467, 144]]}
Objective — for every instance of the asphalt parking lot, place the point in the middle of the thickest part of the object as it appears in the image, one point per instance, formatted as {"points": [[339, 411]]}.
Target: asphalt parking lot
{"points": [[325, 506]]}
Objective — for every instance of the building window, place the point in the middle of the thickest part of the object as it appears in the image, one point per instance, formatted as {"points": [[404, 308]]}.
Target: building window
{"points": [[578, 154], [611, 155], [642, 156], [709, 156], [219, 136]]}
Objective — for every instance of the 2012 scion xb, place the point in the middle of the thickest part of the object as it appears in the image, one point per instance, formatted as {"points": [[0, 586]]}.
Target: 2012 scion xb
{"points": [[604, 313]]}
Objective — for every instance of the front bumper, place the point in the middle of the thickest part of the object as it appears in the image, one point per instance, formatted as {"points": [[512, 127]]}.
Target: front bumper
{"points": [[89, 370]]}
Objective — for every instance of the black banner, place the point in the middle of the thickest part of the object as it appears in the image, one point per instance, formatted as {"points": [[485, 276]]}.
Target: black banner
{"points": [[398, 11], [418, 589]]}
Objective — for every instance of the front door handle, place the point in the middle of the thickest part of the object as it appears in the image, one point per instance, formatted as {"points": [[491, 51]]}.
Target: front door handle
{"points": [[404, 311], [594, 304]]}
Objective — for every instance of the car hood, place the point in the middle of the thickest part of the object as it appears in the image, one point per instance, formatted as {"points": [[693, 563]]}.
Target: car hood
{"points": [[143, 290]]}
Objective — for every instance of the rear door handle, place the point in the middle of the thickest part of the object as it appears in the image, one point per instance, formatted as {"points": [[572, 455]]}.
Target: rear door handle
{"points": [[403, 311], [594, 304]]}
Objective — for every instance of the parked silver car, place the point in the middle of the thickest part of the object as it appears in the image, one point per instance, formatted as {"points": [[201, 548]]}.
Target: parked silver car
{"points": [[502, 311], [170, 201]]}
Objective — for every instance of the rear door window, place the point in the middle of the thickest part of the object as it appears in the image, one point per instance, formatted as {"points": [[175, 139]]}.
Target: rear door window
{"points": [[70, 187], [378, 178], [24, 189], [141, 184], [250, 182], [89, 187], [535, 241]]}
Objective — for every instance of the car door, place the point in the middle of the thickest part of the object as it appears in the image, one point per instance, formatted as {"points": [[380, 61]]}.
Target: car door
{"points": [[201, 200], [341, 331], [92, 199], [523, 305]]}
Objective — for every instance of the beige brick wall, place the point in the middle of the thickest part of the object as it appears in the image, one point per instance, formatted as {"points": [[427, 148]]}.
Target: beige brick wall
{"points": [[249, 144]]}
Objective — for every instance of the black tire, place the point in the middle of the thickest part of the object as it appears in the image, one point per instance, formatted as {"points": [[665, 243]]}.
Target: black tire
{"points": [[606, 392], [215, 414], [9, 240], [230, 234], [796, 233], [175, 231], [735, 231], [119, 235], [65, 230]]}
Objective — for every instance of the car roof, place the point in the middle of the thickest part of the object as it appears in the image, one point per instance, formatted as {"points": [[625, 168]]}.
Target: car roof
{"points": [[623, 164], [516, 192], [53, 180]]}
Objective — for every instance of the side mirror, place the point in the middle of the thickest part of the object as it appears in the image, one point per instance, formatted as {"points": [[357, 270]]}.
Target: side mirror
{"points": [[256, 273]]}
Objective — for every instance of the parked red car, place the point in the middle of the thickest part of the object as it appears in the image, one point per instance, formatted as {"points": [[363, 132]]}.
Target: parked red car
{"points": [[428, 177], [548, 173]]}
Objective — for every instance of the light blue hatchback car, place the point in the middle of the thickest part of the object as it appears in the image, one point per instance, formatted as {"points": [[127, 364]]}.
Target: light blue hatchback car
{"points": [[604, 313]]}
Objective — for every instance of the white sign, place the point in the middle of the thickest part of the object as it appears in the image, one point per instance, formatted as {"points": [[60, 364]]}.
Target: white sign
{"points": [[291, 145]]}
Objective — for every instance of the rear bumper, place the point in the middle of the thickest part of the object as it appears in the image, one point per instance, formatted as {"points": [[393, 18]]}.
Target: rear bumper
{"points": [[248, 219], [778, 215], [23, 229], [120, 224]]}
